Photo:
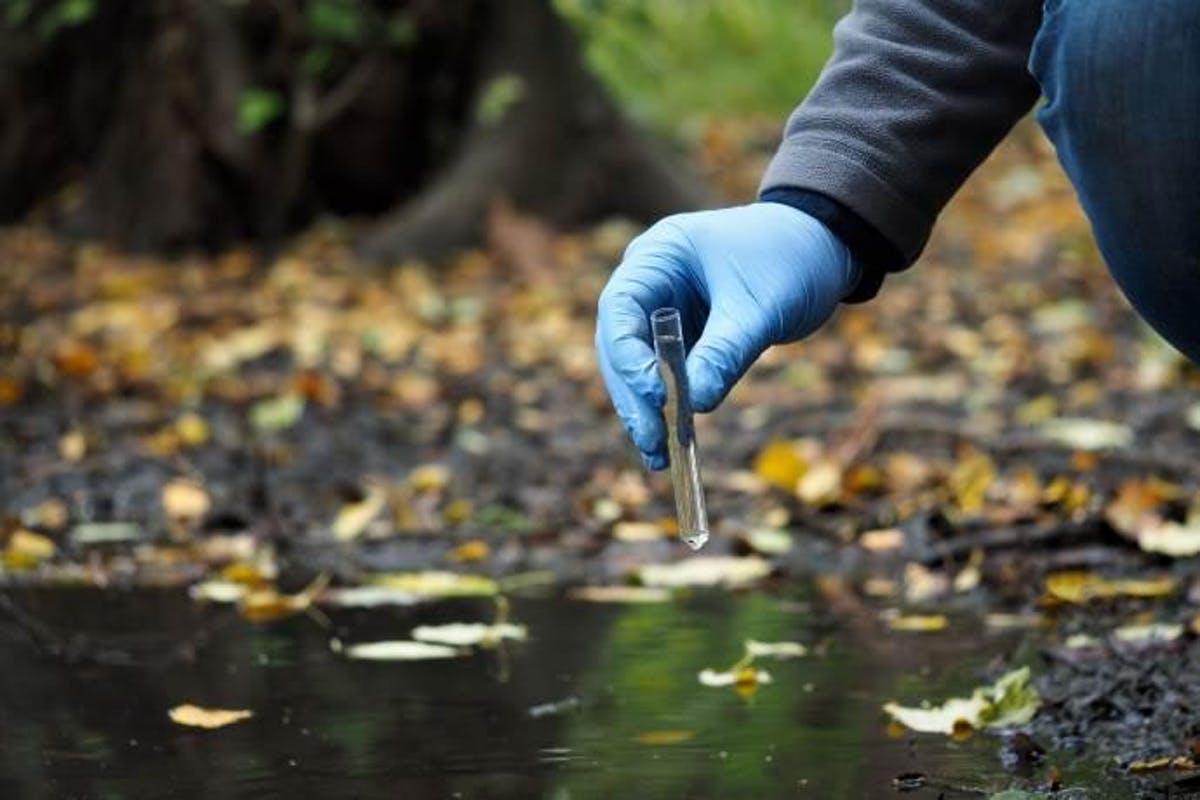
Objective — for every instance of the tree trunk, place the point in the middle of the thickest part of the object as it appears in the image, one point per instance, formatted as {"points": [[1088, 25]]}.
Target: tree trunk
{"points": [[131, 126]]}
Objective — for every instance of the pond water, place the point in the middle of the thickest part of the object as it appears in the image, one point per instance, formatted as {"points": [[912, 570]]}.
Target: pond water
{"points": [[618, 711]]}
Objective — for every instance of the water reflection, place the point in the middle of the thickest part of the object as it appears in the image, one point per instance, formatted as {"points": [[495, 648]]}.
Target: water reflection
{"points": [[603, 677]]}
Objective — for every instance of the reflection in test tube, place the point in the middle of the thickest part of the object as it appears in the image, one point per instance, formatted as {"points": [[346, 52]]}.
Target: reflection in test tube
{"points": [[681, 437]]}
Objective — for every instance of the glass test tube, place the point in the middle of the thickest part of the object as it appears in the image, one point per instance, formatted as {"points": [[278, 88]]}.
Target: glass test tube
{"points": [[681, 437]]}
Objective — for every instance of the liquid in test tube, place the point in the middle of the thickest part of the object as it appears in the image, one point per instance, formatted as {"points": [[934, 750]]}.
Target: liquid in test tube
{"points": [[681, 436]]}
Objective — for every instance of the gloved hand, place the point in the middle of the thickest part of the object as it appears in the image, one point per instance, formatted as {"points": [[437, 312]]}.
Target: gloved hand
{"points": [[743, 279]]}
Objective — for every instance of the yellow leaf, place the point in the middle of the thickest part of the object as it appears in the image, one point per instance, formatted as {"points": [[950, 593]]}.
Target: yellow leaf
{"points": [[919, 623], [970, 480], [438, 584], [780, 464], [26, 549], [1082, 587], [471, 551], [664, 738], [268, 605], [429, 478], [353, 518], [72, 446], [208, 718]]}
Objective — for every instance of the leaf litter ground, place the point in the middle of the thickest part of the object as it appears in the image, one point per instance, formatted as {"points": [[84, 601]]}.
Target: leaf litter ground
{"points": [[996, 435]]}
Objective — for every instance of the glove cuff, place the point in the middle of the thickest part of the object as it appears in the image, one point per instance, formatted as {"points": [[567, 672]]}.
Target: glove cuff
{"points": [[872, 252]]}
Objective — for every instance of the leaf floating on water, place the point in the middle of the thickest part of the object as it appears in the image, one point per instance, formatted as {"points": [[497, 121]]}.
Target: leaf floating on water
{"points": [[267, 604], [555, 708], [353, 518], [619, 594], [277, 413], [398, 650], [779, 650], [727, 571], [919, 623], [1087, 434], [207, 718], [438, 584], [743, 676], [368, 597], [664, 738], [467, 634], [1009, 701]]}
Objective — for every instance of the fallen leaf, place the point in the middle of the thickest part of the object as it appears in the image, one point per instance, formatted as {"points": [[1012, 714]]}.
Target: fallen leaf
{"points": [[207, 718], [1153, 633], [267, 604], [554, 708], [727, 571], [664, 738], [276, 414], [72, 446], [1087, 434], [1011, 700], [399, 650], [619, 594], [631, 531], [218, 592], [821, 484], [184, 500], [919, 623], [93, 533], [437, 584], [26, 549], [1083, 587], [1171, 538], [470, 552], [353, 518], [429, 478], [747, 676], [781, 650], [467, 634], [1137, 502], [882, 540], [1162, 763], [769, 541], [780, 464], [368, 597]]}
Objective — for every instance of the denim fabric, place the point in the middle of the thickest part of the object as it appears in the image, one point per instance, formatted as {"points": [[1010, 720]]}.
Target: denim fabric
{"points": [[1121, 80]]}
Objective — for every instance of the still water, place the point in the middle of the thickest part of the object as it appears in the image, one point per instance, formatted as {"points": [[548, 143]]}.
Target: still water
{"points": [[617, 711]]}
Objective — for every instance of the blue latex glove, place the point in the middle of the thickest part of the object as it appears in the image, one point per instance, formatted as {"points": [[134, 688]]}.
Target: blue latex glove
{"points": [[743, 279]]}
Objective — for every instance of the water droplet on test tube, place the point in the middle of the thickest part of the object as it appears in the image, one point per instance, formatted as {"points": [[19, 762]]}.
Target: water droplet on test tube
{"points": [[681, 435]]}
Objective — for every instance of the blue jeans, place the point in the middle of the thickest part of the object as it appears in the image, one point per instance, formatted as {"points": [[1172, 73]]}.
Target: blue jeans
{"points": [[1121, 80]]}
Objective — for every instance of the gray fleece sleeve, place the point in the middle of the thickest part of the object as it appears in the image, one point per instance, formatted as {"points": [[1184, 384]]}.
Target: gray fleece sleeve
{"points": [[916, 95]]}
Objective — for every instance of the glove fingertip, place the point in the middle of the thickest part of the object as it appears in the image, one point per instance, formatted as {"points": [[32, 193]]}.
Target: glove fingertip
{"points": [[655, 462], [705, 386]]}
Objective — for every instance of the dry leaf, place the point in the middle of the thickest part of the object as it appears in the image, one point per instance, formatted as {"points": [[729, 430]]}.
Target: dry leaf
{"points": [[882, 540], [1082, 587], [619, 594], [1153, 633], [1087, 434], [662, 738], [781, 650], [743, 676], [1011, 700], [208, 718], [780, 464], [437, 584], [470, 552], [368, 597], [353, 518], [26, 549], [639, 531], [1171, 538], [218, 592], [184, 500], [467, 634], [277, 413], [769, 541], [728, 571], [821, 484], [399, 650], [919, 623]]}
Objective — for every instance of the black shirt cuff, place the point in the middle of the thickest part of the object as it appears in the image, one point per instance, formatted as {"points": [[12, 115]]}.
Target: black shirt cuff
{"points": [[876, 256]]}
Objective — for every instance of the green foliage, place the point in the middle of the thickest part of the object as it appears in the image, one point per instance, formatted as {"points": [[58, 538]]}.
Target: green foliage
{"points": [[258, 108], [334, 20], [675, 61], [48, 18], [500, 94]]}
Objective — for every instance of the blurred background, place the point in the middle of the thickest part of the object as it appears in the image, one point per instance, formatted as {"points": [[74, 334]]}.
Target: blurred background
{"points": [[296, 316]]}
